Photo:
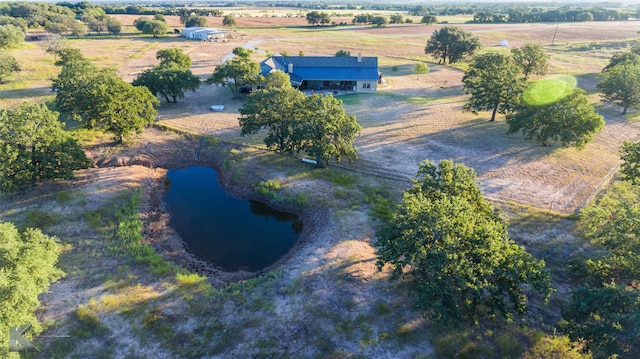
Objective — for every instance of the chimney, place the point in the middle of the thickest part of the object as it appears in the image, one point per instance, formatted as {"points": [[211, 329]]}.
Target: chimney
{"points": [[290, 69], [359, 56]]}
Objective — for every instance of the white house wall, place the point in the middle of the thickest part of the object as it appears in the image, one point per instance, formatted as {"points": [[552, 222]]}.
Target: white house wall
{"points": [[367, 86]]}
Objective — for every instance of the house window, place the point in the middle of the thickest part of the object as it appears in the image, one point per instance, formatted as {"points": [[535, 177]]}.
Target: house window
{"points": [[366, 85]]}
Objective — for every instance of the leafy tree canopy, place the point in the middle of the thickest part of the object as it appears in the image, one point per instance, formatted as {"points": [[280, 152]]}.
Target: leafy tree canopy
{"points": [[278, 79], [342, 53], [428, 20], [174, 56], [8, 65], [571, 121], [630, 167], [454, 250], [228, 20], [117, 107], [531, 58], [34, 147], [276, 109], [27, 268], [621, 57], [327, 131], [421, 68], [318, 17], [494, 82], [452, 44], [317, 125], [196, 21], [11, 36], [169, 81], [155, 28], [621, 85], [604, 311], [237, 72]]}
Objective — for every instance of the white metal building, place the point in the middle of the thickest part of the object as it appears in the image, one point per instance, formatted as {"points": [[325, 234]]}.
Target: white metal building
{"points": [[203, 33]]}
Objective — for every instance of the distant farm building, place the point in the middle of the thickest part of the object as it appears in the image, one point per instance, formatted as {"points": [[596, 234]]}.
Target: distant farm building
{"points": [[204, 33], [327, 73]]}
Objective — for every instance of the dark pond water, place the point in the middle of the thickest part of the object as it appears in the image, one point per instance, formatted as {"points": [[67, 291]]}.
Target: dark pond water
{"points": [[231, 233]]}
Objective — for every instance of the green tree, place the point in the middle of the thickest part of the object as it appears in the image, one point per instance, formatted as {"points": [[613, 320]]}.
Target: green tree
{"points": [[494, 82], [396, 19], [174, 57], [56, 27], [11, 36], [77, 29], [605, 320], [113, 26], [169, 81], [326, 131], [27, 268], [155, 28], [228, 20], [317, 125], [67, 55], [428, 20], [447, 241], [630, 167], [278, 79], [420, 69], [604, 311], [342, 53], [115, 106], [621, 85], [97, 25], [571, 121], [36, 148], [379, 21], [196, 21], [238, 71], [623, 57], [452, 44], [318, 17], [531, 58], [8, 65], [276, 109], [159, 17], [74, 78], [140, 22]]}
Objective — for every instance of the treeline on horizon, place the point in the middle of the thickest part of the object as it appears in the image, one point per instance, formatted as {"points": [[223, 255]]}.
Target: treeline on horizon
{"points": [[482, 13]]}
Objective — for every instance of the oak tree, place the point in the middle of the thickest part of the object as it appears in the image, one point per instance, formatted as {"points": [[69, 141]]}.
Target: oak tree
{"points": [[170, 81], [454, 250], [324, 130], [570, 121], [34, 147], [621, 85], [452, 44], [237, 72], [531, 58], [276, 109], [494, 82], [28, 266], [630, 167], [228, 20], [174, 56], [8, 65]]}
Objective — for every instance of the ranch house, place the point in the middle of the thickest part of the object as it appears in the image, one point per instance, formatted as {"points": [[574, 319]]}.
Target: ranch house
{"points": [[327, 73], [204, 33]]}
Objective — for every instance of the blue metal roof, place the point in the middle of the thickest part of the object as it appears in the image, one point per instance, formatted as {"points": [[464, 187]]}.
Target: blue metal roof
{"points": [[328, 68]]}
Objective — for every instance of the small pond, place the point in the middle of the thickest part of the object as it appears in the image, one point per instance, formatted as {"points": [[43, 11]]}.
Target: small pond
{"points": [[231, 233]]}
